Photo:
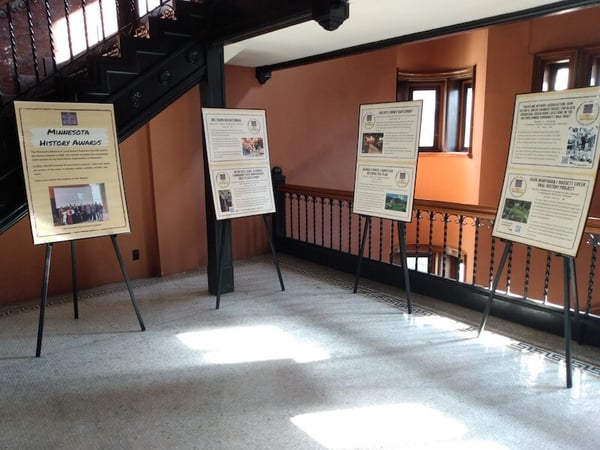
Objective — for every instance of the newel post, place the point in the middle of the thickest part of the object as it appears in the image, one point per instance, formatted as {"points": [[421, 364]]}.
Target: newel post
{"points": [[278, 178]]}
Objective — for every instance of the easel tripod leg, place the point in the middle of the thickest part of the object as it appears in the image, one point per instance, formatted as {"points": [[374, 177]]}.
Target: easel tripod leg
{"points": [[220, 261], [126, 277], [361, 251], [567, 319], [74, 281], [486, 312], [404, 256], [275, 259], [44, 298]]}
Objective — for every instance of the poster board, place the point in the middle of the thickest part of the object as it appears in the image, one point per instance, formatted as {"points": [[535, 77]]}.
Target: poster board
{"points": [[551, 170], [72, 170], [386, 161], [237, 148]]}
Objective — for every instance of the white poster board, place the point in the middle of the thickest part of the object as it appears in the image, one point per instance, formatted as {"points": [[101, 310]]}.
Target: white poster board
{"points": [[386, 161], [72, 170], [551, 170], [238, 159]]}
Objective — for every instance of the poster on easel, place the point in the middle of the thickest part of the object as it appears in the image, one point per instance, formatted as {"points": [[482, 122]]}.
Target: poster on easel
{"points": [[551, 170], [238, 161], [72, 170], [386, 161]]}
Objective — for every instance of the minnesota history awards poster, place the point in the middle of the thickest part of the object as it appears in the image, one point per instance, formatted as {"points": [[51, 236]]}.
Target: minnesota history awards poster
{"points": [[551, 170], [238, 161], [386, 162], [72, 170]]}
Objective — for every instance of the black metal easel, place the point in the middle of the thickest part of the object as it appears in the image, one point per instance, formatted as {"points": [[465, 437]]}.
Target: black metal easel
{"points": [[570, 282], [224, 232], [46, 278], [403, 258]]}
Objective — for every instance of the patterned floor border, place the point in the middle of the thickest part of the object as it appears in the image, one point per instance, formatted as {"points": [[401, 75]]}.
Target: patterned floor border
{"points": [[324, 274], [401, 304]]}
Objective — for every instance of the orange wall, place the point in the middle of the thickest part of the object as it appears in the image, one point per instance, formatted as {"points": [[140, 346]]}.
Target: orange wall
{"points": [[23, 263], [162, 173], [509, 72], [312, 113], [452, 177], [175, 141], [312, 118]]}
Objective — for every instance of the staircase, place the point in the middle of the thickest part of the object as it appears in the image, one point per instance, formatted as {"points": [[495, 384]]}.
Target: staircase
{"points": [[139, 73]]}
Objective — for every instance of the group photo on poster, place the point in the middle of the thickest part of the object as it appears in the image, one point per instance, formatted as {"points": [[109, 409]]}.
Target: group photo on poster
{"points": [[78, 203], [551, 170]]}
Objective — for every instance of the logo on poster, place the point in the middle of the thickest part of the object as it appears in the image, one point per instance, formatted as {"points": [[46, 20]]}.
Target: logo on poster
{"points": [[368, 121], [222, 179], [587, 112], [253, 126], [518, 186], [68, 118], [402, 178]]}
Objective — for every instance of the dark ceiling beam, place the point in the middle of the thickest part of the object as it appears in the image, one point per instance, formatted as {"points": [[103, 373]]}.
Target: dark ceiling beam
{"points": [[264, 72], [230, 21]]}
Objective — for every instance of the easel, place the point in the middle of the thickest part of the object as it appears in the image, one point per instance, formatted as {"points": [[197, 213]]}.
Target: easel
{"points": [[44, 298], [570, 281], [403, 258], [223, 231]]}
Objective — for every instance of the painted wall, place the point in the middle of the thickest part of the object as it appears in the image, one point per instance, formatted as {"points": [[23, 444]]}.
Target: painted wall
{"points": [[312, 115], [452, 177], [23, 263]]}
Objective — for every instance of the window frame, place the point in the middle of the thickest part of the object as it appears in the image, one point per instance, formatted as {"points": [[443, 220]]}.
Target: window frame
{"points": [[449, 129], [544, 61], [440, 104], [589, 66], [462, 126], [584, 66]]}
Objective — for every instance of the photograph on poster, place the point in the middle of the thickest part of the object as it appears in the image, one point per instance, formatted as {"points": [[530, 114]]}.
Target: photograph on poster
{"points": [[80, 203], [396, 202], [225, 200], [516, 210], [581, 146], [372, 143], [253, 147]]}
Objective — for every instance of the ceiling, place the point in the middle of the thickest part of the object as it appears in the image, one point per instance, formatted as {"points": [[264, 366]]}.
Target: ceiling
{"points": [[371, 21]]}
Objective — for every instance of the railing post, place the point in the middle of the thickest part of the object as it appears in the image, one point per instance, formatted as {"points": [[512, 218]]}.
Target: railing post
{"points": [[278, 178]]}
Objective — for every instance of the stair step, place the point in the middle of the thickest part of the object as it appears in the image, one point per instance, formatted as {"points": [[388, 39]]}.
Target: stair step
{"points": [[182, 28], [194, 10]]}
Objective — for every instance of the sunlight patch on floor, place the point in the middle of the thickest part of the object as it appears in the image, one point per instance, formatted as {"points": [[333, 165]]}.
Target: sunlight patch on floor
{"points": [[251, 343], [406, 425]]}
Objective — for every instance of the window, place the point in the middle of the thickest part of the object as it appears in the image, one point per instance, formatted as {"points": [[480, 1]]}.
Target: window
{"points": [[555, 71], [590, 66], [442, 263], [447, 117], [566, 69]]}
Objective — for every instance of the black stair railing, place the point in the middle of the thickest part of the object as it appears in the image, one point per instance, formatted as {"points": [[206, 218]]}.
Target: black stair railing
{"points": [[82, 50], [129, 53]]}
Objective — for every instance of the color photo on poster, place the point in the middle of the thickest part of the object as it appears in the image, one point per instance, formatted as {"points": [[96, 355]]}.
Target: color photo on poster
{"points": [[80, 203]]}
